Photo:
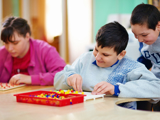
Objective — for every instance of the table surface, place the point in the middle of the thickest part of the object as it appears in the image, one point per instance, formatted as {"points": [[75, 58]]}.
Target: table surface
{"points": [[99, 109]]}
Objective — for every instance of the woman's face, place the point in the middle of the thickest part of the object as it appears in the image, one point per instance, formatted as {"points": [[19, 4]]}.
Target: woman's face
{"points": [[20, 45]]}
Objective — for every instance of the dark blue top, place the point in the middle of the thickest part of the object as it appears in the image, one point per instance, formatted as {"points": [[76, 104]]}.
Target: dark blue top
{"points": [[143, 60]]}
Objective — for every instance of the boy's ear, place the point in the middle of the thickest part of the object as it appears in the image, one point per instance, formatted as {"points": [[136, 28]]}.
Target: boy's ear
{"points": [[121, 55], [158, 26]]}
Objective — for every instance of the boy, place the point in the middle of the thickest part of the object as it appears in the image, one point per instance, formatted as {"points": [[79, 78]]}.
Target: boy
{"points": [[107, 70], [25, 60], [145, 24]]}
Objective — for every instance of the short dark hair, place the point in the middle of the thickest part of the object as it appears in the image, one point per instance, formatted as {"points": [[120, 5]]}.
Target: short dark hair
{"points": [[13, 24], [112, 35], [145, 14]]}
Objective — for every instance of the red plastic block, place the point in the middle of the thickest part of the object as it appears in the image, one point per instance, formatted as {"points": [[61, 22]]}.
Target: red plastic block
{"points": [[30, 97]]}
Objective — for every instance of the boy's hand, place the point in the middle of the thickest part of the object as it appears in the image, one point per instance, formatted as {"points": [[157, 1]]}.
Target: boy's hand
{"points": [[75, 81], [103, 88], [20, 78]]}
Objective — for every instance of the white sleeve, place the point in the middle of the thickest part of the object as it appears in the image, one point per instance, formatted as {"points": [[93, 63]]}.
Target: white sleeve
{"points": [[142, 83], [60, 79]]}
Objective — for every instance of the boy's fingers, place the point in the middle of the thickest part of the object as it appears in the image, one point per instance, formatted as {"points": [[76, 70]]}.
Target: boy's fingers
{"points": [[79, 84], [68, 81], [99, 88], [74, 84], [107, 89], [96, 87], [103, 90], [80, 87], [110, 89]]}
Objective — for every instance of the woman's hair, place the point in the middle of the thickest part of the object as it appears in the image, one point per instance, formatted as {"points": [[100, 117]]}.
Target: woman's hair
{"points": [[13, 24]]}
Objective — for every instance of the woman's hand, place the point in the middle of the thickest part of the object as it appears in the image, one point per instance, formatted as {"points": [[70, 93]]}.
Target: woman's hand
{"points": [[19, 79]]}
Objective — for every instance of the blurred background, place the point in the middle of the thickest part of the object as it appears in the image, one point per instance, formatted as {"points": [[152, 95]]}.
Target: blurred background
{"points": [[71, 25]]}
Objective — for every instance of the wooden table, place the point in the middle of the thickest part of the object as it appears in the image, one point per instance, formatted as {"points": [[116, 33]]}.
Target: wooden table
{"points": [[99, 109]]}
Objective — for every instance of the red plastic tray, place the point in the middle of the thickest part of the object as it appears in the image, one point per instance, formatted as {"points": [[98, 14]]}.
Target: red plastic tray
{"points": [[29, 97]]}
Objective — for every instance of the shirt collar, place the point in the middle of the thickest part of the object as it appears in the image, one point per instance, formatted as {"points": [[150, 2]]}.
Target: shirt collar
{"points": [[94, 62], [115, 63]]}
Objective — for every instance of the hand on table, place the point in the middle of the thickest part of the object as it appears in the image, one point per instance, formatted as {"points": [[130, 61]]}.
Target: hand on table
{"points": [[20, 78], [75, 81], [103, 88]]}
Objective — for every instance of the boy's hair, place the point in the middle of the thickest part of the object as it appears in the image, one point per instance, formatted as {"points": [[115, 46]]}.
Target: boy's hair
{"points": [[145, 14], [112, 35], [13, 24]]}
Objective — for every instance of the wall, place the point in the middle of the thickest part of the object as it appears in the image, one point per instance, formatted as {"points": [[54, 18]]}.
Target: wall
{"points": [[103, 8], [79, 27], [37, 18], [10, 8], [25, 10]]}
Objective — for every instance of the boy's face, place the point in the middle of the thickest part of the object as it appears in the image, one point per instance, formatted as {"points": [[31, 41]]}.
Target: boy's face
{"points": [[144, 34], [105, 57], [19, 47]]}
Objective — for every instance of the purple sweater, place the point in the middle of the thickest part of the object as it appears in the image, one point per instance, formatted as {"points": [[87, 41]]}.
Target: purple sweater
{"points": [[45, 62]]}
